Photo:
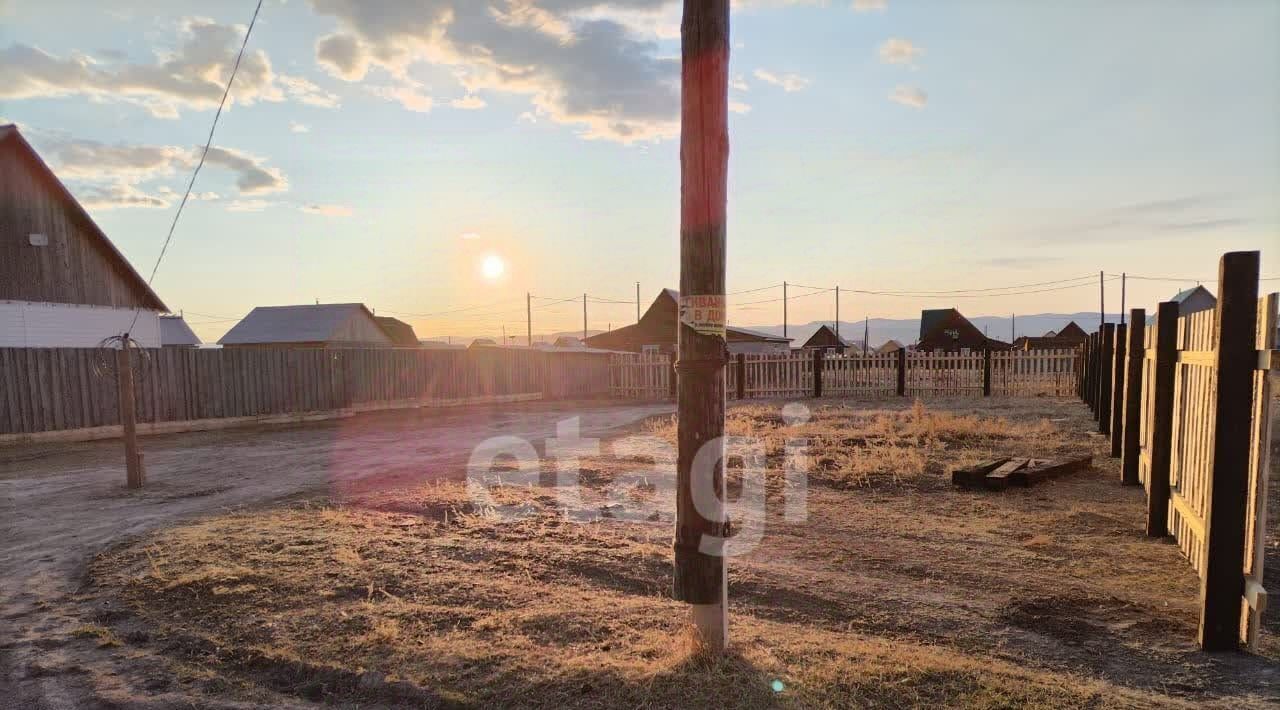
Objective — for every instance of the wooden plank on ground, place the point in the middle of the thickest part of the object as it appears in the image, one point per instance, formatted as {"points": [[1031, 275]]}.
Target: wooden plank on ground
{"points": [[973, 475], [998, 479], [1035, 474]]}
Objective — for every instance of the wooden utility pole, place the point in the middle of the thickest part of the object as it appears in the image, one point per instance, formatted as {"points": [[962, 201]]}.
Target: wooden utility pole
{"points": [[1124, 280], [784, 309], [1013, 327], [704, 166], [837, 312], [1102, 300], [134, 475], [528, 315], [866, 335], [584, 316], [637, 301]]}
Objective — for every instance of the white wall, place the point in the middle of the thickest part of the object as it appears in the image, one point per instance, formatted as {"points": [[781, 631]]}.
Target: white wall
{"points": [[25, 324]]}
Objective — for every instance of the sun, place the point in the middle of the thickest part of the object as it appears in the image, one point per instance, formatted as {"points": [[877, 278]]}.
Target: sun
{"points": [[493, 267]]}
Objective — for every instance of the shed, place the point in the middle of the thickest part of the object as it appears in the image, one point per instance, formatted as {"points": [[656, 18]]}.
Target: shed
{"points": [[401, 333], [175, 333], [947, 330], [1194, 300], [329, 325], [825, 338], [892, 346], [656, 332], [62, 282]]}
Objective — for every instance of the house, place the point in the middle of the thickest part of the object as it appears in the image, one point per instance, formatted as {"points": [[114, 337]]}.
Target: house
{"points": [[825, 338], [892, 346], [329, 325], [946, 330], [1069, 337], [401, 333], [63, 284], [656, 332], [482, 343], [1194, 300], [175, 333], [439, 345]]}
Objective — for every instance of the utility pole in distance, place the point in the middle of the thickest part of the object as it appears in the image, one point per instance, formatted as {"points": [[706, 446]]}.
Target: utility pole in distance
{"points": [[701, 521], [784, 309], [528, 315], [637, 301], [584, 316], [837, 312]]}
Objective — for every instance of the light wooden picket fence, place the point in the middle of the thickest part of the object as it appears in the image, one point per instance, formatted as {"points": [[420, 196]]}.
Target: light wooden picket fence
{"points": [[922, 374]]}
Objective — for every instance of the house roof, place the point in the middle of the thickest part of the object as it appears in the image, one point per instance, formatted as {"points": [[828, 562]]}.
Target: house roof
{"points": [[294, 324], [660, 315], [825, 336], [931, 318], [10, 136], [1184, 294], [175, 331], [401, 333], [1071, 330]]}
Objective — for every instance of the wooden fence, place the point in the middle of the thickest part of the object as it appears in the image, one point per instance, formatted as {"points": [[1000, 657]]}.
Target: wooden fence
{"points": [[1188, 403], [48, 389], [910, 374]]}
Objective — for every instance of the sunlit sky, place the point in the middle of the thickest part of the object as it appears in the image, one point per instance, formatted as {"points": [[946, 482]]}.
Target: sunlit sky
{"points": [[430, 156]]}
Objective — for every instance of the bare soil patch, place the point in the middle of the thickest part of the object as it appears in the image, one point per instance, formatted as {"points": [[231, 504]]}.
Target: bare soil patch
{"points": [[898, 590]]}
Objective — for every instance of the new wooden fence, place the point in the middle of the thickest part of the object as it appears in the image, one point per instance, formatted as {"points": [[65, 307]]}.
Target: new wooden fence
{"points": [[48, 389], [1188, 403], [912, 374]]}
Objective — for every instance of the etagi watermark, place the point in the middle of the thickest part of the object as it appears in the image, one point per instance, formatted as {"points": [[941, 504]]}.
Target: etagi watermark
{"points": [[646, 490]]}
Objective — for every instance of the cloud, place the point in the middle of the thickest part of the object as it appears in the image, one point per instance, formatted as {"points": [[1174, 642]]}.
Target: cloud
{"points": [[899, 51], [408, 94], [252, 177], [575, 60], [739, 83], [307, 92], [1020, 262], [299, 127], [870, 5], [909, 96], [1145, 220], [328, 210], [739, 107], [469, 235], [787, 82], [193, 76], [105, 175], [250, 205], [469, 102]]}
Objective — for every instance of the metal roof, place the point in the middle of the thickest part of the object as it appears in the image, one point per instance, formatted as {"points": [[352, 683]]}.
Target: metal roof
{"points": [[296, 324], [175, 331], [11, 131]]}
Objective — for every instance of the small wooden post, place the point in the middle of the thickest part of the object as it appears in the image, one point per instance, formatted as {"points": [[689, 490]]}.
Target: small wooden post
{"points": [[1117, 391], [902, 372], [134, 476], [818, 359], [986, 372], [1166, 365], [1104, 378], [673, 378], [742, 375], [1222, 584], [1137, 354], [1090, 370], [699, 568]]}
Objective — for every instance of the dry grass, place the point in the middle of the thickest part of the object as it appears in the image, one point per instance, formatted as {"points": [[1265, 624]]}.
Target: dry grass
{"points": [[898, 591]]}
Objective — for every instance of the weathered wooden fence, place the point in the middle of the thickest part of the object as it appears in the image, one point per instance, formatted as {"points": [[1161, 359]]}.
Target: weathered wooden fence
{"points": [[50, 389], [1188, 402], [910, 374]]}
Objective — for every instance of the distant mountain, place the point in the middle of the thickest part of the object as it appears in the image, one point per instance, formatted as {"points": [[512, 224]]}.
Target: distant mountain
{"points": [[907, 330]]}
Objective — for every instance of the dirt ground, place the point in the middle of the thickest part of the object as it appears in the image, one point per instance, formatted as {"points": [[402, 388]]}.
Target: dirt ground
{"points": [[312, 565], [61, 504]]}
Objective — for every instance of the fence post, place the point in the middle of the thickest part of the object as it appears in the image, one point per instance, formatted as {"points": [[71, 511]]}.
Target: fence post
{"points": [[1090, 391], [672, 375], [902, 372], [1104, 378], [1133, 396], [134, 476], [986, 372], [819, 357], [742, 375], [1117, 391], [1222, 585], [1162, 419]]}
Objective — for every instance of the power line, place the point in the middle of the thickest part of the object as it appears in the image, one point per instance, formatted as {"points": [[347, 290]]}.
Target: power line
{"points": [[203, 154]]}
